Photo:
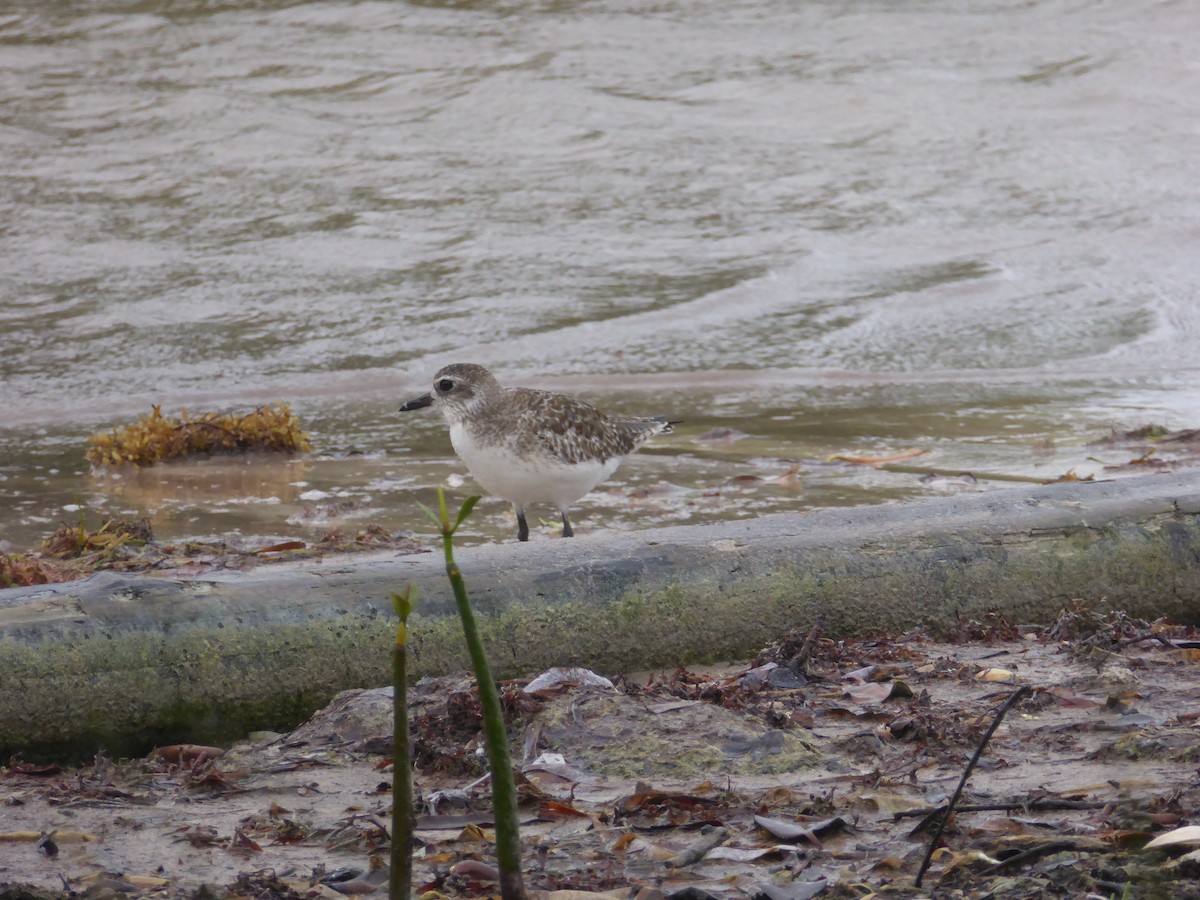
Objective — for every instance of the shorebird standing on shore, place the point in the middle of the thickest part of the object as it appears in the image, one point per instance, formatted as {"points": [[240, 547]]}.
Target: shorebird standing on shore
{"points": [[531, 446]]}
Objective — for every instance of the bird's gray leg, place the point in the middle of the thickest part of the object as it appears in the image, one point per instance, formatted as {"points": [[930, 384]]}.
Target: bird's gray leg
{"points": [[567, 532], [522, 525]]}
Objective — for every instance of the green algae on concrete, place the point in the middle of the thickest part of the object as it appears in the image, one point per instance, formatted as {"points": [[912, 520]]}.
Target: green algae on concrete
{"points": [[121, 661], [887, 587], [124, 690]]}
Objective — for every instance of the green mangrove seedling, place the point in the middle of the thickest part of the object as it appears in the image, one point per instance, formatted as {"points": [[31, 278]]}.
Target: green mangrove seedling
{"points": [[504, 789], [400, 879]]}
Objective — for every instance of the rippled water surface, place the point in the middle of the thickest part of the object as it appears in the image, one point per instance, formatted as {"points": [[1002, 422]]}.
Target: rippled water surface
{"points": [[837, 227]]}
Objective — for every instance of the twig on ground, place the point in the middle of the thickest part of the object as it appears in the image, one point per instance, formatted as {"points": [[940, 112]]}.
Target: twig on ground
{"points": [[1035, 853], [799, 662], [1152, 636], [1018, 694], [1036, 805]]}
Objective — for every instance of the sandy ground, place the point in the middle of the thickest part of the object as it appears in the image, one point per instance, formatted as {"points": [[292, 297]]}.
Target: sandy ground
{"points": [[795, 774]]}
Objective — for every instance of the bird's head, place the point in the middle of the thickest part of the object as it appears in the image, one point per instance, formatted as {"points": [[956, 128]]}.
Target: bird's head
{"points": [[458, 390]]}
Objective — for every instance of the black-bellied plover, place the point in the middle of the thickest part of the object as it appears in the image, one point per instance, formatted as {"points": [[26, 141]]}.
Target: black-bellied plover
{"points": [[531, 446]]}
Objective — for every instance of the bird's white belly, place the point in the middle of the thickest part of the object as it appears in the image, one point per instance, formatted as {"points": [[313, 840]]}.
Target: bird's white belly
{"points": [[524, 480]]}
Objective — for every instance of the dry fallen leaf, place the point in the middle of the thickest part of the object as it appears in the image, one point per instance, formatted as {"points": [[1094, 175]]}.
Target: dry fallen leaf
{"points": [[552, 810], [1188, 835], [279, 548], [147, 882], [910, 453], [475, 870], [791, 831], [560, 678], [646, 849], [187, 754], [1069, 699], [473, 834], [879, 691]]}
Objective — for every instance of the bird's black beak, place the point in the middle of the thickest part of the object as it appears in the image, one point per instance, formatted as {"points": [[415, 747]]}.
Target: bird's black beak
{"points": [[419, 403]]}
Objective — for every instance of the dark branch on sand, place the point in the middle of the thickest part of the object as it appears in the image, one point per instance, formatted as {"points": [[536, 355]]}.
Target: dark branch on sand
{"points": [[1019, 694]]}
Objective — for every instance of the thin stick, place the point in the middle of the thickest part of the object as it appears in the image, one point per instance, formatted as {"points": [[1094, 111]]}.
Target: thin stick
{"points": [[1018, 694], [400, 877], [1153, 636], [1036, 853], [1036, 805], [799, 662]]}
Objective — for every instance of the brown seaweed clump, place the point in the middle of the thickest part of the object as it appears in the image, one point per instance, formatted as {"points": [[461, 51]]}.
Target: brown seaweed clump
{"points": [[158, 438], [73, 552], [108, 543], [23, 569]]}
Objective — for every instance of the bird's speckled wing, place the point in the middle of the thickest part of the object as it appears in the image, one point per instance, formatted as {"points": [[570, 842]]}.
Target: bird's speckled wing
{"points": [[571, 430]]}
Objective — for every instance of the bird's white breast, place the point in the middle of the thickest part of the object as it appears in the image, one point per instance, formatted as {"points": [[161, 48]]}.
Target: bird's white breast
{"points": [[528, 479]]}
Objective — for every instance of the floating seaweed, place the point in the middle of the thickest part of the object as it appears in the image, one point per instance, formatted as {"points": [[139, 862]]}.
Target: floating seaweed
{"points": [[158, 438]]}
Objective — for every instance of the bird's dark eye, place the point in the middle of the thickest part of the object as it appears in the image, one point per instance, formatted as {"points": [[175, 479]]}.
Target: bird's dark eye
{"points": [[444, 385]]}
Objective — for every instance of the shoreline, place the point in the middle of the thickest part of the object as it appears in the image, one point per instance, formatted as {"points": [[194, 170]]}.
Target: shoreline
{"points": [[127, 660]]}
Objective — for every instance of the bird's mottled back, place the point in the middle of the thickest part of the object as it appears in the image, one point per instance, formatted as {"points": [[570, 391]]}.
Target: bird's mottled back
{"points": [[569, 430]]}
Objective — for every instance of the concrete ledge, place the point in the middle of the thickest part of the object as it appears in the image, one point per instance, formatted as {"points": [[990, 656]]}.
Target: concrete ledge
{"points": [[124, 661]]}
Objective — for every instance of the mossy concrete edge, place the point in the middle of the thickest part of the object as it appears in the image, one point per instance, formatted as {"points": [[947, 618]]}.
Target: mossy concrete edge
{"points": [[122, 661]]}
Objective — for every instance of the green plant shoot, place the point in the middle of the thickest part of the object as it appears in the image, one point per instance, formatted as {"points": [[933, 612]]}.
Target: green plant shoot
{"points": [[400, 878], [504, 789]]}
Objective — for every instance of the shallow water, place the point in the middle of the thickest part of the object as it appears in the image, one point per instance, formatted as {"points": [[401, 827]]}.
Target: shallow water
{"points": [[837, 227]]}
